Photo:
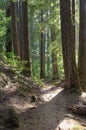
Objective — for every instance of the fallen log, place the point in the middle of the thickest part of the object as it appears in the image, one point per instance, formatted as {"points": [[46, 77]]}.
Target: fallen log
{"points": [[79, 109]]}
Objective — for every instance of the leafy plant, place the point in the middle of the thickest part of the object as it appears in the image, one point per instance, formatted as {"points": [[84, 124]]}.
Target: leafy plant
{"points": [[38, 81], [14, 62]]}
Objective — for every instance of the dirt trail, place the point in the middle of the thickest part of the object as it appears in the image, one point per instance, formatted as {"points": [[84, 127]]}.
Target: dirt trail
{"points": [[46, 116], [50, 113]]}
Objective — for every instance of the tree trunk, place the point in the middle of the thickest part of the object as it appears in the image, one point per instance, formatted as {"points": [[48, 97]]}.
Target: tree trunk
{"points": [[54, 56], [48, 57], [25, 44], [20, 24], [42, 51], [68, 46], [73, 18], [15, 29], [8, 31], [82, 45]]}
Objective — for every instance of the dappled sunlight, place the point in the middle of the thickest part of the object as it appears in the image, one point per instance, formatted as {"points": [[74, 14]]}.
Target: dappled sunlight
{"points": [[45, 116], [47, 96], [70, 124], [25, 105], [10, 88], [83, 95], [22, 107], [66, 124]]}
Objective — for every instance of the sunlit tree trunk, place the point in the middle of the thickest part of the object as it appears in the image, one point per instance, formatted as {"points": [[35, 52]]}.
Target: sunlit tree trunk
{"points": [[82, 45]]}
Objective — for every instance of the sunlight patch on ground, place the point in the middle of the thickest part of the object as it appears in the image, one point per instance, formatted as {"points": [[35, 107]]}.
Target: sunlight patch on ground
{"points": [[83, 95], [66, 124], [51, 94], [83, 98], [69, 124], [21, 106], [10, 87], [25, 106]]}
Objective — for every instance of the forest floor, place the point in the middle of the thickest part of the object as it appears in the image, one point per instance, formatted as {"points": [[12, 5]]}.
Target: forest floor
{"points": [[46, 108]]}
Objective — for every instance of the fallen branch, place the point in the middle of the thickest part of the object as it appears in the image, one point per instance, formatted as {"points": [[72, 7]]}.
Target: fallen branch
{"points": [[79, 109]]}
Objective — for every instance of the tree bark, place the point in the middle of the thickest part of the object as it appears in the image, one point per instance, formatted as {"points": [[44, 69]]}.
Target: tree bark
{"points": [[82, 45], [54, 56], [42, 51], [73, 17], [25, 44], [68, 46], [20, 25], [8, 31], [15, 29]]}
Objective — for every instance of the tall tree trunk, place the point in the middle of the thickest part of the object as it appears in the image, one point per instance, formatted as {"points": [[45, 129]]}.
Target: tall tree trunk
{"points": [[54, 56], [8, 31], [25, 45], [15, 29], [20, 27], [68, 46], [32, 46], [42, 50], [82, 45], [73, 18], [48, 57]]}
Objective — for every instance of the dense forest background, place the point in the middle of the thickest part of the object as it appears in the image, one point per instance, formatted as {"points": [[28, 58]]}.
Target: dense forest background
{"points": [[45, 39], [42, 64]]}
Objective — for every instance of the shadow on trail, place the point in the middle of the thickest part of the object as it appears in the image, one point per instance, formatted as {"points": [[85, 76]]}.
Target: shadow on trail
{"points": [[45, 117]]}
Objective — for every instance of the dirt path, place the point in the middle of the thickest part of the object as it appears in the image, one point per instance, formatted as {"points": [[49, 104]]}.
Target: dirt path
{"points": [[48, 111], [49, 114]]}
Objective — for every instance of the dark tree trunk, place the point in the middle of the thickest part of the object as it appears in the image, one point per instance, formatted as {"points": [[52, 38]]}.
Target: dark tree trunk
{"points": [[48, 57], [20, 25], [25, 45], [68, 46], [54, 56], [15, 29], [42, 52], [82, 45], [73, 18], [8, 31]]}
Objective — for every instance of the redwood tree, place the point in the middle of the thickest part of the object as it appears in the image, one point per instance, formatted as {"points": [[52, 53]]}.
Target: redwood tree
{"points": [[73, 18], [68, 46], [8, 31], [15, 35], [82, 45], [54, 56], [25, 44], [42, 51]]}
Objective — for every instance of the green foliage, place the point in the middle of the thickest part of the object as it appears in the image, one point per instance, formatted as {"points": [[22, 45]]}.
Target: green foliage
{"points": [[2, 29], [38, 81], [14, 62], [51, 16]]}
